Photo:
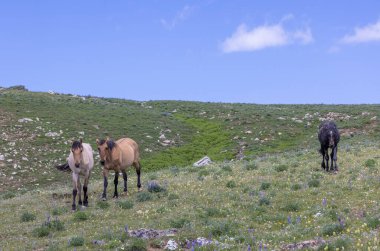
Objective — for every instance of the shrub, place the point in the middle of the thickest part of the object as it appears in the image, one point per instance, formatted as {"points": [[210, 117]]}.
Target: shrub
{"points": [[173, 196], [76, 241], [179, 223], [56, 225], [103, 204], [25, 217], [41, 231], [264, 186], [370, 163], [143, 196], [221, 228], [331, 229], [215, 212], [226, 168], [126, 204], [281, 168], [136, 244], [296, 187], [339, 244], [250, 166], [264, 201], [203, 173], [314, 183], [9, 195], [231, 184], [291, 207], [80, 216], [59, 211], [154, 187], [373, 222]]}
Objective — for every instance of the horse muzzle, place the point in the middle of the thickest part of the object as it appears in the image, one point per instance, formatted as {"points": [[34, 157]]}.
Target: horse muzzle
{"points": [[77, 165], [102, 162]]}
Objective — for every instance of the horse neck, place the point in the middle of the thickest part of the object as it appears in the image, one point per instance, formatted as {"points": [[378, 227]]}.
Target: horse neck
{"points": [[84, 156], [116, 153]]}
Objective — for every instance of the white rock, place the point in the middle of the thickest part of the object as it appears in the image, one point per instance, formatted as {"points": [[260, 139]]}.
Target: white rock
{"points": [[171, 245], [162, 136], [81, 133], [25, 158], [25, 120], [2, 157], [203, 162], [373, 118], [52, 134], [248, 132]]}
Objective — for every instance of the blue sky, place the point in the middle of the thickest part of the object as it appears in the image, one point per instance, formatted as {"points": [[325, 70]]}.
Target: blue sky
{"points": [[220, 51]]}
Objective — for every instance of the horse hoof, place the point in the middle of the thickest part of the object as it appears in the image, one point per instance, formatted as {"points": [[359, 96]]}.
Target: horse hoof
{"points": [[104, 198], [85, 204], [139, 189]]}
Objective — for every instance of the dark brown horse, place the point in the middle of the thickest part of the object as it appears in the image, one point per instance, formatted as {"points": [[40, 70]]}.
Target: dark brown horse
{"points": [[329, 137], [118, 156]]}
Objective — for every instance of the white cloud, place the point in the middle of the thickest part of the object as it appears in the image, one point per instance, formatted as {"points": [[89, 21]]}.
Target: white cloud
{"points": [[179, 17], [264, 36], [369, 33]]}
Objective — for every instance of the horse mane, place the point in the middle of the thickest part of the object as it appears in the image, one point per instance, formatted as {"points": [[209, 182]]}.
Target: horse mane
{"points": [[111, 144], [76, 144]]}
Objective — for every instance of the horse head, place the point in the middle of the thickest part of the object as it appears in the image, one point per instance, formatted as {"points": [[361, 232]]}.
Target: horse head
{"points": [[105, 147], [77, 149]]}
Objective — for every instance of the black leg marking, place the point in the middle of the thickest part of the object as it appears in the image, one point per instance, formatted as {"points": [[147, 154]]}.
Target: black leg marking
{"points": [[105, 181], [125, 177], [138, 172], [85, 197], [116, 180], [74, 197]]}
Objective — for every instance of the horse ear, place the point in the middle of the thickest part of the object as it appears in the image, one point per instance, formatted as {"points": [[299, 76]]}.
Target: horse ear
{"points": [[97, 141], [80, 140], [108, 138]]}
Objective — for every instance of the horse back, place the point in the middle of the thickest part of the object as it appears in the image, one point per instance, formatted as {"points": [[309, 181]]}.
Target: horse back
{"points": [[130, 150]]}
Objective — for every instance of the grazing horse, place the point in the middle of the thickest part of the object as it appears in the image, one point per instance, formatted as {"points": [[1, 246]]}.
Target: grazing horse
{"points": [[329, 137], [118, 156], [80, 161]]}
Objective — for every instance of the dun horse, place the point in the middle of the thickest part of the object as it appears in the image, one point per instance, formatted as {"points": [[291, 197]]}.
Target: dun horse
{"points": [[80, 161], [329, 137], [118, 156]]}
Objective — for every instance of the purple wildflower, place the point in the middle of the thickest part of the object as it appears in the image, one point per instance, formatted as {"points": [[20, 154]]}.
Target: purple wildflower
{"points": [[324, 202], [289, 220], [249, 248], [298, 220], [126, 228]]}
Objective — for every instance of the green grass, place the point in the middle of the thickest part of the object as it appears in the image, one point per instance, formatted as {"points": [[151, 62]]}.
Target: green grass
{"points": [[237, 203]]}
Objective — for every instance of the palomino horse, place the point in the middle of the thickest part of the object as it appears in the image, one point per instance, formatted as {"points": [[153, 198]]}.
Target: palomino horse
{"points": [[118, 156], [80, 161]]}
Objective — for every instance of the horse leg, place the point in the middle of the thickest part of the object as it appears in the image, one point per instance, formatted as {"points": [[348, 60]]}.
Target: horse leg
{"points": [[125, 180], [79, 187], [332, 159], [75, 190], [137, 165], [115, 181], [323, 158], [85, 185], [327, 159], [335, 157], [105, 184]]}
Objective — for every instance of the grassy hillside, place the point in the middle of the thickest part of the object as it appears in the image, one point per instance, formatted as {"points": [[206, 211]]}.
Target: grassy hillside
{"points": [[277, 196]]}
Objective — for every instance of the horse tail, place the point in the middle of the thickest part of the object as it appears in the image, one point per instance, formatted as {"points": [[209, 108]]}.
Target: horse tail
{"points": [[64, 167]]}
